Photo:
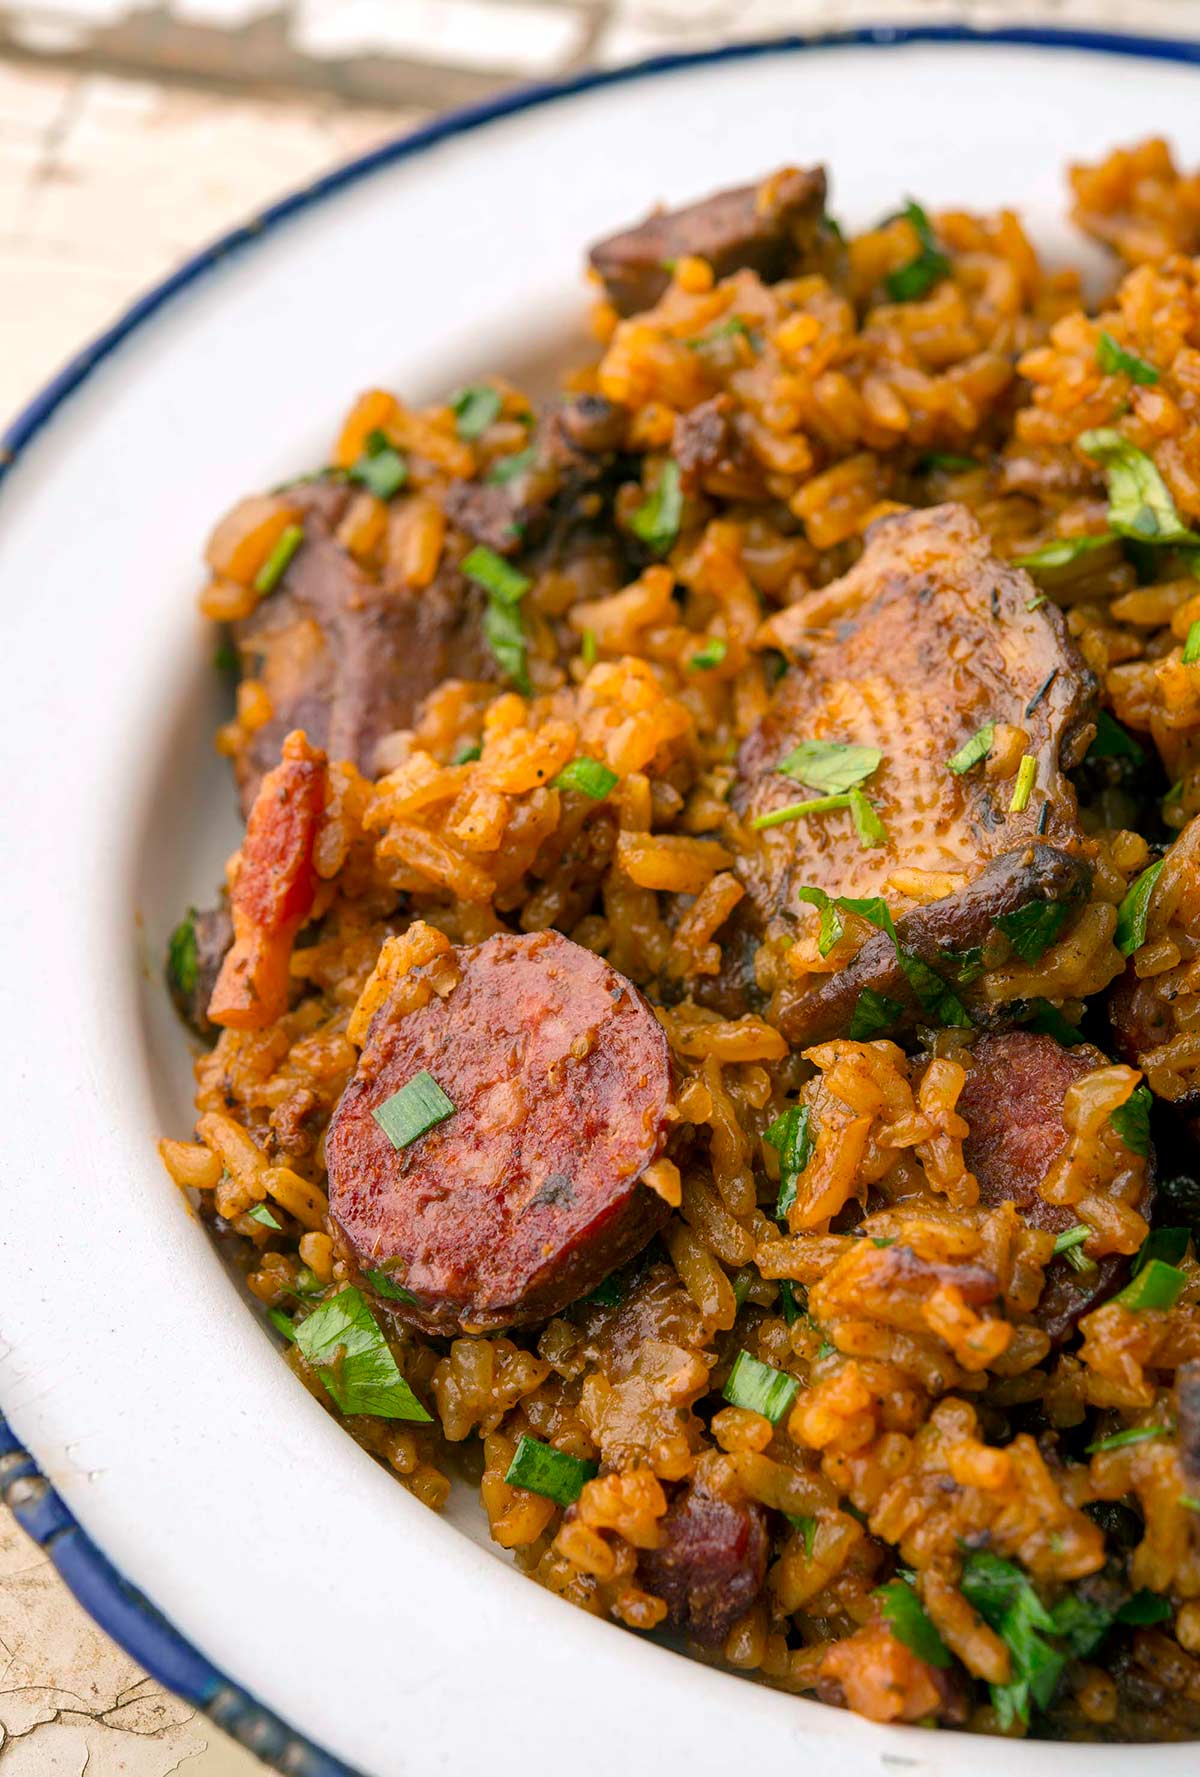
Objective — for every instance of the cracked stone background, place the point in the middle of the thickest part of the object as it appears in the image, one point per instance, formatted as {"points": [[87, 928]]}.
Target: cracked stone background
{"points": [[130, 134]]}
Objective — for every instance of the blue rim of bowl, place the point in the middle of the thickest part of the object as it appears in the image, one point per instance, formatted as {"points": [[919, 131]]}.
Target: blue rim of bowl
{"points": [[118, 1607]]}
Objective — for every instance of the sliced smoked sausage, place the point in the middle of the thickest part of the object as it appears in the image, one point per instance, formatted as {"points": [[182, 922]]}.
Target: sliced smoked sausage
{"points": [[528, 1194]]}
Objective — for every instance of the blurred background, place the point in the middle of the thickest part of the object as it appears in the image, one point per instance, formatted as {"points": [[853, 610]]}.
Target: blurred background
{"points": [[131, 132]]}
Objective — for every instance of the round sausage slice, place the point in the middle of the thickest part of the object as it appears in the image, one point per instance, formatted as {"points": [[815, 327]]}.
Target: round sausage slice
{"points": [[528, 1193]]}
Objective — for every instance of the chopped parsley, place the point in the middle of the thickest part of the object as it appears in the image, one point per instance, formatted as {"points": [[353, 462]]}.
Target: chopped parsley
{"points": [[555, 1474], [1114, 360], [1131, 1120], [381, 469], [930, 266], [1134, 911], [262, 1213], [1112, 741], [905, 1615], [759, 1388], [973, 750], [873, 1014], [499, 579], [507, 469], [1005, 1598], [419, 1105], [1033, 928], [831, 765], [791, 1135], [475, 408], [867, 824], [384, 1285], [732, 328], [1139, 502], [504, 633], [183, 963], [807, 1529], [275, 566], [948, 462], [342, 1341], [1026, 778], [587, 776], [657, 519]]}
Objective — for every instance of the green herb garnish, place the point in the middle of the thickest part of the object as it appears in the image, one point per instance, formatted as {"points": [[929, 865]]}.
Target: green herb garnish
{"points": [[797, 810], [807, 1528], [941, 459], [183, 962], [1131, 1120], [791, 1136], [1112, 741], [262, 1214], [1143, 1609], [873, 1014], [929, 267], [343, 1342], [1156, 1286], [468, 752], [657, 519], [226, 658], [383, 1285], [1114, 360], [1072, 1237], [475, 408], [275, 566], [1191, 648], [1006, 1600], [1026, 778], [905, 1615], [1061, 553], [1139, 502], [419, 1105], [977, 748], [283, 1323], [587, 776], [1139, 1435], [504, 633], [760, 1388], [499, 579], [1168, 1244], [1033, 928], [587, 647], [506, 469], [1134, 910], [555, 1474], [830, 765], [712, 654], [867, 824], [381, 469]]}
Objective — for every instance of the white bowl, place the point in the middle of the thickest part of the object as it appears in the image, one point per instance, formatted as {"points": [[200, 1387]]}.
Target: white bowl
{"points": [[129, 1365]]}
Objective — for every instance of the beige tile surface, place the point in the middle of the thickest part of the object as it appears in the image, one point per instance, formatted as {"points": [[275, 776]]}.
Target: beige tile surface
{"points": [[129, 135]]}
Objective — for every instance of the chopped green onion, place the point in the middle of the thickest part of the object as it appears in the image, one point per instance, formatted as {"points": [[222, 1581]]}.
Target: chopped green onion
{"points": [[831, 765], [1157, 1285], [1078, 1260], [712, 654], [1072, 1237], [1139, 502], [342, 1341], [383, 1285], [796, 810], [381, 469], [588, 776], [1033, 928], [791, 1136], [873, 1014], [587, 647], [867, 824], [740, 1284], [497, 577], [226, 659], [506, 469], [973, 750], [1134, 910], [1026, 777], [555, 1474], [283, 1323], [1112, 741], [275, 566], [1131, 1120], [1119, 1439], [262, 1214], [1144, 1609], [475, 408], [657, 519], [1036, 602], [728, 329], [788, 1302], [905, 1615], [467, 754], [1191, 648], [419, 1105], [183, 963], [930, 266], [504, 633], [947, 461], [306, 1283], [1061, 553], [1114, 360], [759, 1388], [1168, 1244]]}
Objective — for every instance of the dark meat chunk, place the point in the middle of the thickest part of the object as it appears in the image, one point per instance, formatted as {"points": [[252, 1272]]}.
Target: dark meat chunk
{"points": [[1013, 1104], [940, 934], [1187, 1407], [348, 660], [1140, 1017], [712, 1563], [704, 437], [530, 1193], [774, 228], [212, 932]]}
